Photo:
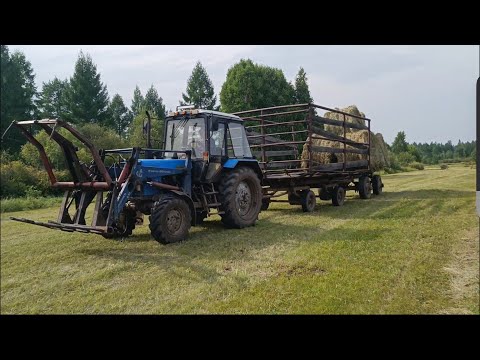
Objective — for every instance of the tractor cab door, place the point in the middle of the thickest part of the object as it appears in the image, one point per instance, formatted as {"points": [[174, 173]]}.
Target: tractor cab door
{"points": [[217, 151], [195, 138]]}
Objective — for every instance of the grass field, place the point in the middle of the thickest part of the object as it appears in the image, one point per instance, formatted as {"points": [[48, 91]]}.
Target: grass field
{"points": [[412, 250]]}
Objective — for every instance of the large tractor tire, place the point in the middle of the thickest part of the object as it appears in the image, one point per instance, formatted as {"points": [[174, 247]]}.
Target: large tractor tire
{"points": [[170, 219], [241, 198], [364, 187]]}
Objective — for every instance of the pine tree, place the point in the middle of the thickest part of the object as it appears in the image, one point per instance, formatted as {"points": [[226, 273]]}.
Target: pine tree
{"points": [[86, 97], [154, 103], [17, 93], [400, 144], [136, 136], [200, 90], [121, 115], [51, 100], [302, 92], [137, 101]]}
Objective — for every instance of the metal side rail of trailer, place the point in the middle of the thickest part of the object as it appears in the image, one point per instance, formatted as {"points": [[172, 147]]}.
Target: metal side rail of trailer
{"points": [[283, 139]]}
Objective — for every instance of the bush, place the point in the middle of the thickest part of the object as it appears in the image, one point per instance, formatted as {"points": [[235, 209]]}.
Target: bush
{"points": [[416, 165], [444, 166], [405, 158], [101, 137], [18, 179]]}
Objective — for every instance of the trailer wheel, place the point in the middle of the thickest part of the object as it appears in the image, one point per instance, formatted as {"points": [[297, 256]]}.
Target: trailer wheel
{"points": [[294, 199], [364, 187], [338, 196], [377, 184], [324, 194], [308, 200], [241, 198], [170, 219]]}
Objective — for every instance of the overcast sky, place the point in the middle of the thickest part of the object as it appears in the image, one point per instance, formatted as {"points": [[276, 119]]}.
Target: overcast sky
{"points": [[427, 91]]}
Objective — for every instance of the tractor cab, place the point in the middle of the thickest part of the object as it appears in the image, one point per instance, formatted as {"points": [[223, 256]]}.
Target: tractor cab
{"points": [[212, 137]]}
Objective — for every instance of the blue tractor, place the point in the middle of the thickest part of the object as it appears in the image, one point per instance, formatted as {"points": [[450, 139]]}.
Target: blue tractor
{"points": [[205, 167]]}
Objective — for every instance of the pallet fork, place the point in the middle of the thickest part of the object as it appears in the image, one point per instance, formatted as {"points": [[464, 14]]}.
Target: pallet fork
{"points": [[88, 182]]}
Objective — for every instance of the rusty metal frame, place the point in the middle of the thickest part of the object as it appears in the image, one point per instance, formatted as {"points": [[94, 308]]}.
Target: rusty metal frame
{"points": [[69, 150], [267, 132]]}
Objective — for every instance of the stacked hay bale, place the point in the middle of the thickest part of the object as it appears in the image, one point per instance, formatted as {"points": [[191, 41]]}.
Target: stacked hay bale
{"points": [[378, 149], [337, 130]]}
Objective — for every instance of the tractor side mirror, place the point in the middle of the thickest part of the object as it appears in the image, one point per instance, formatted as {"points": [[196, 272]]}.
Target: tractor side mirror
{"points": [[214, 124]]}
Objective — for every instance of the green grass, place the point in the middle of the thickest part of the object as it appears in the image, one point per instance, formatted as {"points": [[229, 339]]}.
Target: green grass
{"points": [[412, 250], [28, 203]]}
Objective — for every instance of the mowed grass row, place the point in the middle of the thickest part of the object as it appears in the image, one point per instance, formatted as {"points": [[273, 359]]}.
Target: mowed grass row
{"points": [[413, 249]]}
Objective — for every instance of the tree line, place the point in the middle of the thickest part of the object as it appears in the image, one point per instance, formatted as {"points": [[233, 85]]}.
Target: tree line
{"points": [[83, 98], [431, 153]]}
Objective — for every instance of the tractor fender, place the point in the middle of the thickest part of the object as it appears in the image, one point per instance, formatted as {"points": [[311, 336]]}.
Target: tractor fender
{"points": [[251, 163], [189, 201]]}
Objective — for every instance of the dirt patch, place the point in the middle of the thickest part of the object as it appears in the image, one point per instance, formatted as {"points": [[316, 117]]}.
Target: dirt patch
{"points": [[464, 271]]}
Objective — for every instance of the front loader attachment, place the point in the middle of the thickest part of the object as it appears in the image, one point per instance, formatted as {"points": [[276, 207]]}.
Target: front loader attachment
{"points": [[89, 182]]}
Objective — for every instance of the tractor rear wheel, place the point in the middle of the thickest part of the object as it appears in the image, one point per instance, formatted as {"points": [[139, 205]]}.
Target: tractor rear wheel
{"points": [[241, 198], [170, 219]]}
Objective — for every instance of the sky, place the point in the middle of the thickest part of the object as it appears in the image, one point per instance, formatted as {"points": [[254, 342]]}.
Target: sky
{"points": [[427, 91]]}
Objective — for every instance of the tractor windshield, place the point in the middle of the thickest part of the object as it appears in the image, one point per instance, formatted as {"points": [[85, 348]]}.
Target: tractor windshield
{"points": [[186, 134]]}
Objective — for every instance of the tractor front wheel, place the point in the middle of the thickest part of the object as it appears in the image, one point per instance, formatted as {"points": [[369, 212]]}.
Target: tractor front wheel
{"points": [[170, 219]]}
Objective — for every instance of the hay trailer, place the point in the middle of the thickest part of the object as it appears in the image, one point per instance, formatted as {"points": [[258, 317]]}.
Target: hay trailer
{"points": [[283, 139]]}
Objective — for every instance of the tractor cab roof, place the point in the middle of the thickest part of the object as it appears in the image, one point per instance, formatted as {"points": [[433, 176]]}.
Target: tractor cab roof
{"points": [[181, 112]]}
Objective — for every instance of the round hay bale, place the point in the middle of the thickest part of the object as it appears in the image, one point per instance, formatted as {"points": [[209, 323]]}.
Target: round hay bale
{"points": [[338, 130], [378, 151]]}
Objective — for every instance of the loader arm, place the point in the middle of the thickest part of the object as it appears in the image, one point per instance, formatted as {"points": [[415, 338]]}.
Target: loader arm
{"points": [[88, 183], [79, 176]]}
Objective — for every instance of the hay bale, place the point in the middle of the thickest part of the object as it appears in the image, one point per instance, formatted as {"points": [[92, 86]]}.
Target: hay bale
{"points": [[378, 150], [352, 109]]}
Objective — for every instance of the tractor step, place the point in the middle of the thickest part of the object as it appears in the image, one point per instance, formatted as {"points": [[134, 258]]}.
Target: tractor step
{"points": [[214, 204], [64, 227]]}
